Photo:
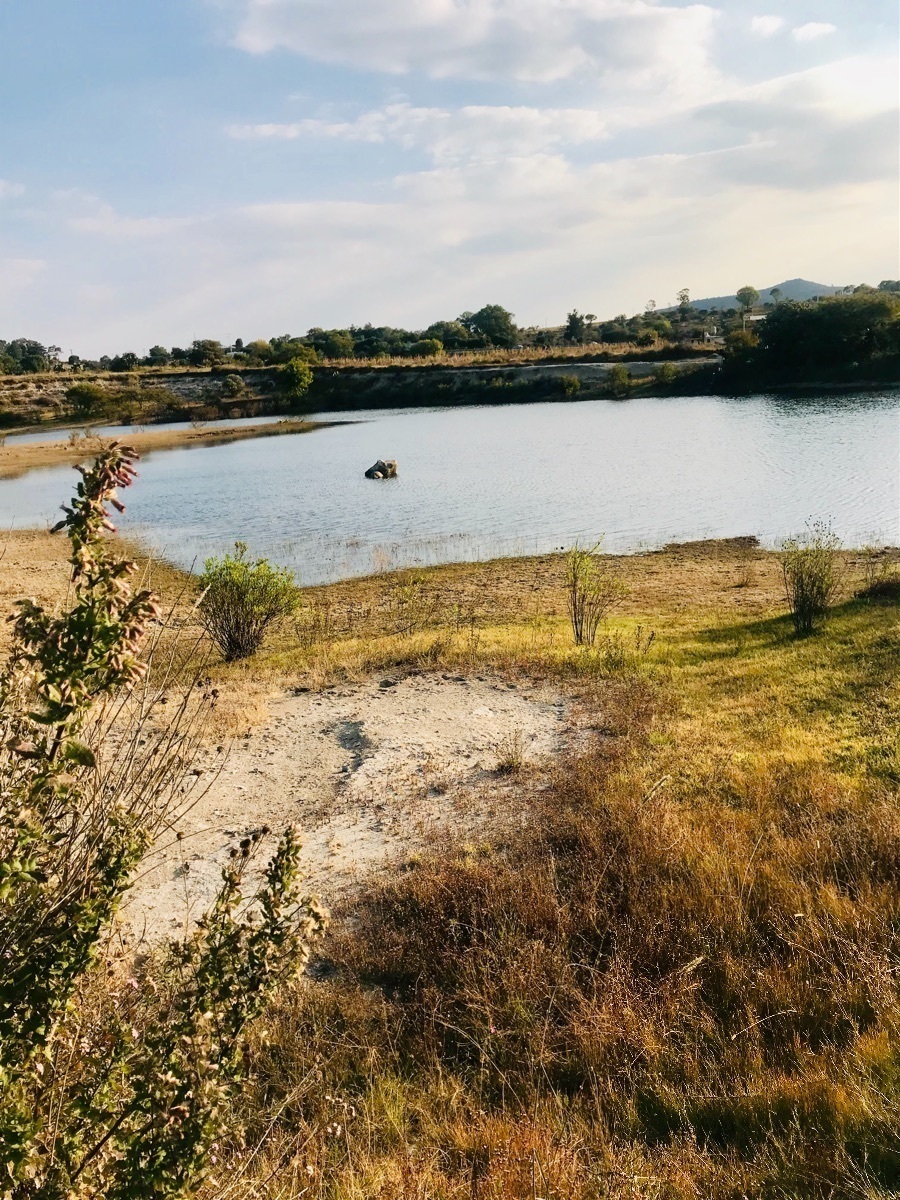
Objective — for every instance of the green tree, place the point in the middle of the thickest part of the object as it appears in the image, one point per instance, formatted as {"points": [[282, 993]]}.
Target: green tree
{"points": [[747, 297], [452, 334], [837, 332], [158, 356], [575, 327], [331, 343], [296, 378], [124, 362], [493, 324], [684, 303], [206, 352]]}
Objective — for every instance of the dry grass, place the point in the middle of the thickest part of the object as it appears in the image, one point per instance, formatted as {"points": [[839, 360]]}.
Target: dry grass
{"points": [[680, 980]]}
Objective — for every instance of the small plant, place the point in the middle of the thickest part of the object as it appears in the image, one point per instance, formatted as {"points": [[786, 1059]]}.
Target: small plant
{"points": [[569, 385], [809, 564], [313, 624], [241, 599], [880, 573], [511, 754], [593, 589]]}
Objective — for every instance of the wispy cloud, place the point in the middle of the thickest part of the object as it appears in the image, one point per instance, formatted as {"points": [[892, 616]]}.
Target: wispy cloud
{"points": [[474, 131], [766, 26], [641, 43], [812, 31]]}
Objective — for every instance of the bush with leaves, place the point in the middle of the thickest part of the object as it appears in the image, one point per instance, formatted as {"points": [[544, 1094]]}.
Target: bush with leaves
{"points": [[593, 589], [810, 567], [241, 599], [296, 378], [123, 1099]]}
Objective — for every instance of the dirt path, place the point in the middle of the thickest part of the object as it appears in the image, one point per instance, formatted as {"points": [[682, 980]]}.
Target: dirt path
{"points": [[370, 774]]}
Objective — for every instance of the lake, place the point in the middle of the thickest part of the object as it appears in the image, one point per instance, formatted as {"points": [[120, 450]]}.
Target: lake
{"points": [[487, 481]]}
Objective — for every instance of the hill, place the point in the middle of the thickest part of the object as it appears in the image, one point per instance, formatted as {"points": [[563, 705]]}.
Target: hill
{"points": [[791, 289]]}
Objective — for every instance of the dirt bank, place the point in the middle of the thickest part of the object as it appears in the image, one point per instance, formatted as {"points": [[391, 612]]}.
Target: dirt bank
{"points": [[19, 458]]}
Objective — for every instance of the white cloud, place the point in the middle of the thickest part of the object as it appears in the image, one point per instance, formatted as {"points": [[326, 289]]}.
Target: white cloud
{"points": [[471, 132], [641, 44], [767, 26], [8, 188], [796, 190], [104, 221], [812, 31]]}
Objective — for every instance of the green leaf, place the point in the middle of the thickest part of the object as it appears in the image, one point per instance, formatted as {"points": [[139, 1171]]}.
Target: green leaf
{"points": [[77, 752]]}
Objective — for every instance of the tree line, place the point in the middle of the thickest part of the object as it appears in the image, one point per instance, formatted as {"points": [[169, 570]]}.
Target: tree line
{"points": [[492, 326]]}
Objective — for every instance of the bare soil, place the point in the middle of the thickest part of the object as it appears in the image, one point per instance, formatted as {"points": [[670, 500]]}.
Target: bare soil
{"points": [[372, 774]]}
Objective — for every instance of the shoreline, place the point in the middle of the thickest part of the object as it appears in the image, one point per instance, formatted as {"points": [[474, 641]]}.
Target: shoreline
{"points": [[17, 460]]}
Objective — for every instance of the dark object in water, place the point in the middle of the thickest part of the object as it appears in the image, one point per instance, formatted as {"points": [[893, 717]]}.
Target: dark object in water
{"points": [[383, 469]]}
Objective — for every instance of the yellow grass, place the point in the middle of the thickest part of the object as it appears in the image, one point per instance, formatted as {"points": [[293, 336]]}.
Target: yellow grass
{"points": [[681, 981]]}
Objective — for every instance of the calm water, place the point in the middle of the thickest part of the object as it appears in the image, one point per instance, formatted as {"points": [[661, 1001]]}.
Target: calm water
{"points": [[479, 482]]}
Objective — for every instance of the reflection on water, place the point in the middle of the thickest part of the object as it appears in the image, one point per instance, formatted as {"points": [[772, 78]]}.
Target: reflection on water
{"points": [[479, 482]]}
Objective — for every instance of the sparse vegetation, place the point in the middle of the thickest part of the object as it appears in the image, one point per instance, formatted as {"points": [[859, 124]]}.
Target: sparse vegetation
{"points": [[673, 975], [593, 588]]}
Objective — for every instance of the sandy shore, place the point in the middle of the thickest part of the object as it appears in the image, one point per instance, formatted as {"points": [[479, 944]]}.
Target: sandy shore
{"points": [[19, 458]]}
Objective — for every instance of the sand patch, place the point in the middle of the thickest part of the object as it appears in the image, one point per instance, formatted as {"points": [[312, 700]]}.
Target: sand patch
{"points": [[371, 774]]}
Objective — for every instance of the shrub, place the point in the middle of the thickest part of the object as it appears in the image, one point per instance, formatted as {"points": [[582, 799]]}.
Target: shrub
{"points": [[88, 399], [233, 385], [593, 589], [569, 385], [666, 373], [296, 378], [618, 381], [106, 1088], [241, 599], [426, 348], [809, 563]]}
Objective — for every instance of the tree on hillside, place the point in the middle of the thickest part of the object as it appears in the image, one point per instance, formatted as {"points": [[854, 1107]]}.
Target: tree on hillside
{"points": [[747, 297], [26, 356], [493, 324], [158, 356], [331, 343], [453, 335], [684, 303], [576, 326], [206, 352]]}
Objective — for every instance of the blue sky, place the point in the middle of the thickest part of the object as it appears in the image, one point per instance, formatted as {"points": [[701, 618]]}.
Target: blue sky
{"points": [[226, 168]]}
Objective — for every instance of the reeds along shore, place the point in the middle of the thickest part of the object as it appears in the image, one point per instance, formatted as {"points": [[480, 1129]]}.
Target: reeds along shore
{"points": [[678, 979]]}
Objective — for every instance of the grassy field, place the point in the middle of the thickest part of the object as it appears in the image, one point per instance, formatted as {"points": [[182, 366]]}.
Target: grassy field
{"points": [[679, 980]]}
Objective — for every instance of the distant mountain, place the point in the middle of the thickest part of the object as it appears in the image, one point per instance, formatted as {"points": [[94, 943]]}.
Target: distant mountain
{"points": [[791, 289]]}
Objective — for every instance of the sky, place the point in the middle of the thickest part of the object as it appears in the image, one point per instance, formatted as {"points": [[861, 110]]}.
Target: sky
{"points": [[179, 169]]}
